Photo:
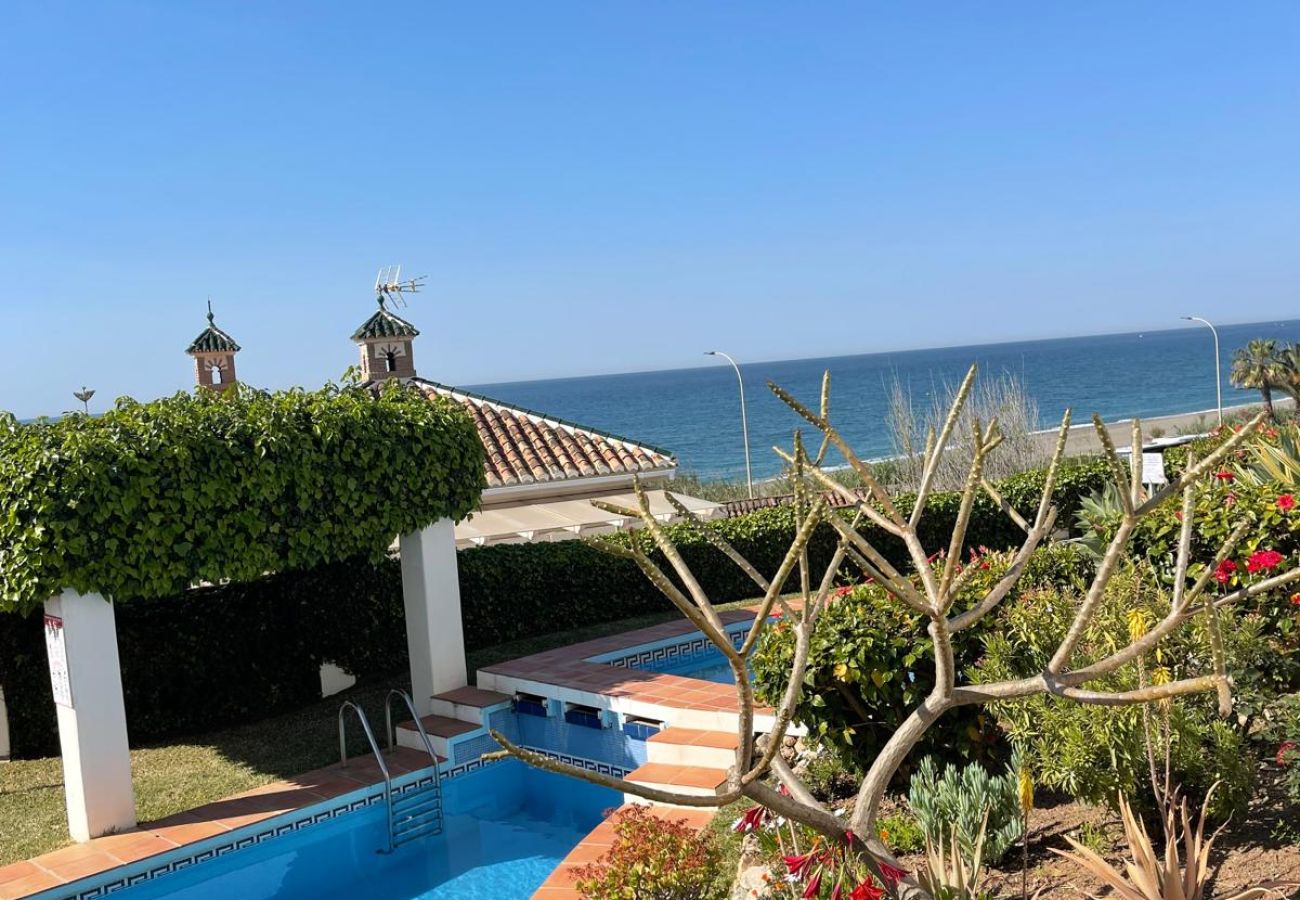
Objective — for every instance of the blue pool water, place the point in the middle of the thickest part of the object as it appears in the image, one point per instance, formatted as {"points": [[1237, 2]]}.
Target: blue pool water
{"points": [[709, 665], [507, 827]]}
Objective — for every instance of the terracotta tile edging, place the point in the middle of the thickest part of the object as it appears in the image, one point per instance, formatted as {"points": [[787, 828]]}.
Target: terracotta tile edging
{"points": [[207, 824], [559, 885]]}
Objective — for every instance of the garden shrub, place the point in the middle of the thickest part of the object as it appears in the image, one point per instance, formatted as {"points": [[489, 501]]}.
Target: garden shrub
{"points": [[151, 498], [1282, 739], [871, 662], [196, 660], [1095, 752], [654, 858], [960, 797]]}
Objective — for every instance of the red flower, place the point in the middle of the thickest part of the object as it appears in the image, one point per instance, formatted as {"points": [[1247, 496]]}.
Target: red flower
{"points": [[1225, 475], [1286, 502], [1283, 751], [1224, 571], [892, 874], [798, 866], [867, 890], [752, 820], [844, 591], [1262, 560], [814, 886], [1295, 599]]}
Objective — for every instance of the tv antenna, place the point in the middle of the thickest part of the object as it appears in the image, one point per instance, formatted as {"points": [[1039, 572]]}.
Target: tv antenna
{"points": [[84, 396], [389, 286]]}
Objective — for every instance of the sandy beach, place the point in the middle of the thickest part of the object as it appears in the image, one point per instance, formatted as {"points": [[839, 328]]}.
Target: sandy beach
{"points": [[1083, 437]]}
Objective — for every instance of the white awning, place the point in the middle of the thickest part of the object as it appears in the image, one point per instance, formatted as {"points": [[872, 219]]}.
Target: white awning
{"points": [[562, 520]]}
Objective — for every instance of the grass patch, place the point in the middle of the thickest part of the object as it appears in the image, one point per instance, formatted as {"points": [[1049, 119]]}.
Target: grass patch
{"points": [[190, 771]]}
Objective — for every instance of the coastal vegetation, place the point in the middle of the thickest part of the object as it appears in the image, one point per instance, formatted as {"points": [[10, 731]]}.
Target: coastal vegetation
{"points": [[1265, 366], [1127, 638]]}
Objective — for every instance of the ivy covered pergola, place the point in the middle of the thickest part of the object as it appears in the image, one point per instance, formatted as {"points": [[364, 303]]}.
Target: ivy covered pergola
{"points": [[150, 499]]}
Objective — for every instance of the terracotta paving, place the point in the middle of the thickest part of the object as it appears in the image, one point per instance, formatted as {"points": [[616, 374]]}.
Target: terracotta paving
{"points": [[568, 667], [560, 884], [103, 853]]}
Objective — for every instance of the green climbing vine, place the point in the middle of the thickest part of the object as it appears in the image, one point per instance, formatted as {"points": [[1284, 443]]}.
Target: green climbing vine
{"points": [[150, 498]]}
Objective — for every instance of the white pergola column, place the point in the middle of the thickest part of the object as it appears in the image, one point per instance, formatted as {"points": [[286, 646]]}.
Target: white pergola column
{"points": [[81, 637], [431, 597]]}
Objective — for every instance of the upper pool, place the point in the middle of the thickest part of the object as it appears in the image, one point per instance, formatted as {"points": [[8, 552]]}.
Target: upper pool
{"points": [[507, 827]]}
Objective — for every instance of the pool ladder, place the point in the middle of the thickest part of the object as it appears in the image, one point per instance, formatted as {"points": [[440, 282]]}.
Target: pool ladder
{"points": [[416, 812]]}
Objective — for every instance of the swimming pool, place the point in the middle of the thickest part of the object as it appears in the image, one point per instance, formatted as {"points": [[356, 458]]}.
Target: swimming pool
{"points": [[507, 826], [710, 666]]}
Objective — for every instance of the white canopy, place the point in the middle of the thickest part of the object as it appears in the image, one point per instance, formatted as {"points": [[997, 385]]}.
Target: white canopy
{"points": [[560, 520]]}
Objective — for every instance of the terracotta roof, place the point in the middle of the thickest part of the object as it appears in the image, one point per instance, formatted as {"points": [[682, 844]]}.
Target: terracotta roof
{"points": [[384, 324], [212, 340], [526, 447]]}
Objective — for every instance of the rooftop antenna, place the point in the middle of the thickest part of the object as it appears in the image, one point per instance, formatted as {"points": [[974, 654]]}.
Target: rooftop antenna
{"points": [[84, 396], [389, 286]]}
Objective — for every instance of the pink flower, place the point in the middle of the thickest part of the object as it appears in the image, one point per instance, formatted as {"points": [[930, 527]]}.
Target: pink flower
{"points": [[1295, 599], [1263, 560], [1286, 502], [1224, 572], [1283, 753]]}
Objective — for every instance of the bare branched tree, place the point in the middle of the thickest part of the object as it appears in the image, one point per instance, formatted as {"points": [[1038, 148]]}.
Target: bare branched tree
{"points": [[930, 590]]}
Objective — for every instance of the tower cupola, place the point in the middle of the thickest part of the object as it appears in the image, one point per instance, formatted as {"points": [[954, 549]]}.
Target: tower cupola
{"points": [[385, 340], [214, 356]]}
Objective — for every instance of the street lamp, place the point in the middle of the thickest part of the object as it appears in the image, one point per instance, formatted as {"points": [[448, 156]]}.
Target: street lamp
{"points": [[744, 421], [1218, 370]]}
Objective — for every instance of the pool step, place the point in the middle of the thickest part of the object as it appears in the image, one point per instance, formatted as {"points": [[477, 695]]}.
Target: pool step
{"points": [[698, 781], [469, 704], [693, 747], [441, 730]]}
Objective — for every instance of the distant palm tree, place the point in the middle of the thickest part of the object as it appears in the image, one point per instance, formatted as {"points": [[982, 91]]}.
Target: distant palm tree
{"points": [[1287, 376], [1257, 366]]}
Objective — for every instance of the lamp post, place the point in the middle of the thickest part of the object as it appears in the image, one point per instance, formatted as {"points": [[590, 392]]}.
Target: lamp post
{"points": [[744, 421], [1218, 370], [84, 396]]}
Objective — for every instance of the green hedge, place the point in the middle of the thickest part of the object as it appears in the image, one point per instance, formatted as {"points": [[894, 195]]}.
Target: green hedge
{"points": [[151, 498], [215, 656]]}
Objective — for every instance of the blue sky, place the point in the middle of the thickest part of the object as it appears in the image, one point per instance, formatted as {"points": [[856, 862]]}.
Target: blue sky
{"points": [[597, 187]]}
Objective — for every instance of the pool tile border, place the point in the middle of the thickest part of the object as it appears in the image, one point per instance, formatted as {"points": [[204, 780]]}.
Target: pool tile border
{"points": [[175, 859]]}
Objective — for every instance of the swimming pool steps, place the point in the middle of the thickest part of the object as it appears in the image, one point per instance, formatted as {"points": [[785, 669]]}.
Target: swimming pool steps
{"points": [[442, 730], [468, 704], [697, 781], [693, 747]]}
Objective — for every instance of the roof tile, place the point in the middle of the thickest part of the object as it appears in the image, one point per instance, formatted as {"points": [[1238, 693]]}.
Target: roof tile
{"points": [[524, 447]]}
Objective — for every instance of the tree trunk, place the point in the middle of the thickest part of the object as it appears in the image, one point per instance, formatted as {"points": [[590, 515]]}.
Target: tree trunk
{"points": [[1267, 392]]}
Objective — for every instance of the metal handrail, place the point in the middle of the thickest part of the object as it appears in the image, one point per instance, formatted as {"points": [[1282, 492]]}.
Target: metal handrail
{"points": [[374, 748], [419, 726]]}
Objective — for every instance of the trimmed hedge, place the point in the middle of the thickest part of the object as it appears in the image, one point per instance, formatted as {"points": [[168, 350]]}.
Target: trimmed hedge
{"points": [[216, 656], [151, 498]]}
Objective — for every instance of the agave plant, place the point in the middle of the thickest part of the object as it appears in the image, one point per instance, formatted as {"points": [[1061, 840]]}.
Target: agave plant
{"points": [[1276, 464], [1150, 876], [948, 873]]}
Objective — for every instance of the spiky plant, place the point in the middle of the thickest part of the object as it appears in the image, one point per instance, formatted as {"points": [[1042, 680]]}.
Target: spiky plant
{"points": [[1150, 875]]}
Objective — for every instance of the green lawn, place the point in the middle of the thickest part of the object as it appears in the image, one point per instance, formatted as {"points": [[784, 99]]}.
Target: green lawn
{"points": [[196, 770]]}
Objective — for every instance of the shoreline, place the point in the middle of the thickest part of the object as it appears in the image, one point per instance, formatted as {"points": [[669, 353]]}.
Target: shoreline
{"points": [[1082, 438]]}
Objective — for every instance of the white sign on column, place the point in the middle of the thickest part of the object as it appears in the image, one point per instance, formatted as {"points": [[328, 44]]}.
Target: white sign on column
{"points": [[81, 640]]}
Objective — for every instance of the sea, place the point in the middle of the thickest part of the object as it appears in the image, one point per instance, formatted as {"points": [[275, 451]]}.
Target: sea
{"points": [[695, 413]]}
